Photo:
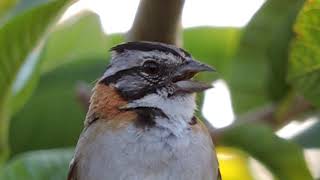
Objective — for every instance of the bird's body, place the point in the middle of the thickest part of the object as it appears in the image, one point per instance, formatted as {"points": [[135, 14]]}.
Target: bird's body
{"points": [[149, 136]]}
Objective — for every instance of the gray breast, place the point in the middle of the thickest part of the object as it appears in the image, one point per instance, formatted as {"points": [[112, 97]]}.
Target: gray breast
{"points": [[150, 154]]}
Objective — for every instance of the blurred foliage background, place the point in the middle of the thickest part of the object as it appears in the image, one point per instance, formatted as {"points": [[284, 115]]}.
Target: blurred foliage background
{"points": [[272, 67]]}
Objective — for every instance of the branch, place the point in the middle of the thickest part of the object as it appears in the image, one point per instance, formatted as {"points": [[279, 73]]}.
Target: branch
{"points": [[158, 20], [266, 115], [83, 94]]}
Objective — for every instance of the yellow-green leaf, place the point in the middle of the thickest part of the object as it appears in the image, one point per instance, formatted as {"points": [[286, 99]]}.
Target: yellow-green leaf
{"points": [[233, 163], [304, 71]]}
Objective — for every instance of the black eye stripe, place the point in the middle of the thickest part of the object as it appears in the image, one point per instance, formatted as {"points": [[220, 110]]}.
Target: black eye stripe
{"points": [[134, 83], [135, 70], [114, 78]]}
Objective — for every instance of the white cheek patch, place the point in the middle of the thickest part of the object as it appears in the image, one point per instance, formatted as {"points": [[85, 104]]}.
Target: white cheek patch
{"points": [[181, 106], [179, 109]]}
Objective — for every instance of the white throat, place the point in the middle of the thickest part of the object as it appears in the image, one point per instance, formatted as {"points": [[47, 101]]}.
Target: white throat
{"points": [[179, 109]]}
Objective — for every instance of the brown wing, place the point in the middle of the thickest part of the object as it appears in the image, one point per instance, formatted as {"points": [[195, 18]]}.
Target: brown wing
{"points": [[72, 175]]}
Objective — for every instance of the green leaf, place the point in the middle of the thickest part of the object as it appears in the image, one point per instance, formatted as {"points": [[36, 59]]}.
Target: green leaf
{"points": [[259, 70], [18, 7], [19, 35], [38, 165], [213, 46], [304, 71], [80, 37], [283, 158], [114, 39], [25, 81], [53, 109]]}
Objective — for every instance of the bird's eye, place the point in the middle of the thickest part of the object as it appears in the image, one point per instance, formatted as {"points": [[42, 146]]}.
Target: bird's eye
{"points": [[151, 67]]}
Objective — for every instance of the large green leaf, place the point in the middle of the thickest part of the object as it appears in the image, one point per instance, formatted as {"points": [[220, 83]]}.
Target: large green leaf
{"points": [[259, 70], [38, 165], [53, 117], [80, 37], [283, 158], [19, 35], [304, 71], [16, 8]]}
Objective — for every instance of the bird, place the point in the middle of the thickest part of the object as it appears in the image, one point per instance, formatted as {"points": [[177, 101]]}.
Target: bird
{"points": [[140, 123]]}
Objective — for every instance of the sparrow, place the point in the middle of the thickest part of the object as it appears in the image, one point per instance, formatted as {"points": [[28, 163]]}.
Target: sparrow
{"points": [[140, 124]]}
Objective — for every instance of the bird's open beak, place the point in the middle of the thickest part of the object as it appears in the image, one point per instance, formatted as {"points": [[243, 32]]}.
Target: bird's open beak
{"points": [[182, 77]]}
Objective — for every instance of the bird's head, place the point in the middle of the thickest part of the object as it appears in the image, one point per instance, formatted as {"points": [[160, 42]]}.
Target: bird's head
{"points": [[139, 69], [157, 76]]}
